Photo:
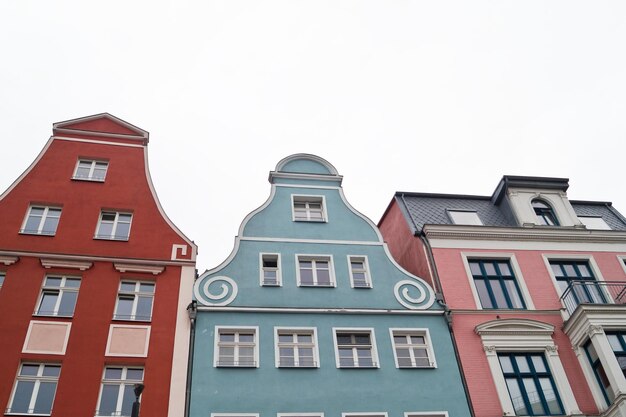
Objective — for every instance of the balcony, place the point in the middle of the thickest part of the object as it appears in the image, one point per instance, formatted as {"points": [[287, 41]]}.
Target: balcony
{"points": [[584, 292]]}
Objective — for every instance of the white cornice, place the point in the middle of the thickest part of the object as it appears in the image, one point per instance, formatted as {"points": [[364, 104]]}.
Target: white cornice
{"points": [[66, 257], [8, 260], [149, 269], [64, 263], [585, 316], [299, 176], [319, 310], [554, 234]]}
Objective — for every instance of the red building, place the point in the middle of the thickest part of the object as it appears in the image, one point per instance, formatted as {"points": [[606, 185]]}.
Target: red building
{"points": [[535, 285], [95, 280]]}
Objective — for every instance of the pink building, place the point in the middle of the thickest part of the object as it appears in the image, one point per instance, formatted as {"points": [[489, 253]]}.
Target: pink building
{"points": [[535, 285]]}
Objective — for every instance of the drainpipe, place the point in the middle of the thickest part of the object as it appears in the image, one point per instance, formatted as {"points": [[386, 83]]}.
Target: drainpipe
{"points": [[448, 315], [192, 311]]}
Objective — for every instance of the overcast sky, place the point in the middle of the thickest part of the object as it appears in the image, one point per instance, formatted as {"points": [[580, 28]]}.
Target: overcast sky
{"points": [[428, 96]]}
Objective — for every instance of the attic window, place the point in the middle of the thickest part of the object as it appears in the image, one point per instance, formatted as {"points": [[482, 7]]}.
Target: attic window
{"points": [[465, 217], [545, 214], [594, 222], [90, 170]]}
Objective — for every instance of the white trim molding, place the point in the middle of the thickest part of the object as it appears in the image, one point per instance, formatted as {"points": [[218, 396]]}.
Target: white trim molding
{"points": [[292, 329], [66, 264], [148, 269], [425, 333], [357, 330], [523, 335], [143, 354], [60, 324], [236, 329], [8, 260]]}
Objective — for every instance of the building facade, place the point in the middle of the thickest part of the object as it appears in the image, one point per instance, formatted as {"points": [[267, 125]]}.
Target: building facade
{"points": [[95, 280], [310, 316], [534, 284]]}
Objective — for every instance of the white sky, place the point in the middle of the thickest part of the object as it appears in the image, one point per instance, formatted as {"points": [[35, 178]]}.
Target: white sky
{"points": [[437, 96]]}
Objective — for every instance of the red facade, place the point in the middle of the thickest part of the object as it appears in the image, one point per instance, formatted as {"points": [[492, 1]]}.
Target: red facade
{"points": [[92, 248]]}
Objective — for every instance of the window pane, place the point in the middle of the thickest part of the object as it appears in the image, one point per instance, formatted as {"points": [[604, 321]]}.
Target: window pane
{"points": [[418, 340], [550, 396], [522, 364], [323, 277], [556, 270], [285, 338], [48, 301], [72, 283], [305, 338], [516, 397], [23, 394], [128, 287], [404, 362], [538, 364], [122, 231], [246, 337], [124, 308], [68, 302], [32, 224], [134, 374], [533, 396], [306, 276], [511, 288], [475, 268], [51, 370], [498, 294], [362, 339], [483, 294], [490, 269], [504, 268], [144, 308], [505, 363], [53, 282], [45, 397], [50, 225], [127, 401], [146, 287], [614, 342], [108, 400], [113, 373], [105, 229], [227, 337]]}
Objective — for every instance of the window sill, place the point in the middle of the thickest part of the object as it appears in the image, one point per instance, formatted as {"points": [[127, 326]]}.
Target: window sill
{"points": [[29, 233], [271, 285], [88, 179], [112, 239], [53, 316], [317, 286], [310, 221], [417, 367], [133, 320], [362, 287], [8, 413]]}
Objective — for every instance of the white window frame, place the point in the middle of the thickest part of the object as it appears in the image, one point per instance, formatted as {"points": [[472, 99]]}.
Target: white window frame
{"points": [[38, 379], [524, 336], [116, 222], [426, 414], [136, 293], [299, 414], [425, 333], [216, 351], [309, 257], [477, 218], [307, 198], [368, 276], [495, 256], [122, 383], [44, 216], [595, 270], [93, 163], [60, 291], [592, 227], [279, 277], [367, 414], [290, 329], [361, 330]]}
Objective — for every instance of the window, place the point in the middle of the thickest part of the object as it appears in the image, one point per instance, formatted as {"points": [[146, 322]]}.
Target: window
{"points": [[90, 170], [2, 276], [34, 389], [314, 271], [270, 269], [355, 348], [530, 384], [134, 301], [41, 220], [596, 223], [308, 208], [114, 225], [545, 214], [465, 217], [495, 284], [617, 340], [412, 348], [568, 272], [296, 348], [117, 395], [359, 275], [58, 296], [236, 347]]}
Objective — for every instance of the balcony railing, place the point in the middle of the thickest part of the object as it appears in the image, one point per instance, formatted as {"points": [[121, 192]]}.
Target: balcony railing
{"points": [[593, 292]]}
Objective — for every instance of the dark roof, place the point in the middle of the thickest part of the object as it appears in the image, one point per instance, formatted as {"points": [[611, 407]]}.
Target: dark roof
{"points": [[426, 208]]}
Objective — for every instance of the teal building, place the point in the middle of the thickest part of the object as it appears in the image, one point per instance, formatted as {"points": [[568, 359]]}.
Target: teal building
{"points": [[311, 316]]}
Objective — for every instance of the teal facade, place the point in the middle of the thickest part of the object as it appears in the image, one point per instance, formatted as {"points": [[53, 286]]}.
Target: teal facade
{"points": [[311, 316]]}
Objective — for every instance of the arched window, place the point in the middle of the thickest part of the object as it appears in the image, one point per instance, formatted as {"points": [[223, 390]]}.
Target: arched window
{"points": [[545, 214]]}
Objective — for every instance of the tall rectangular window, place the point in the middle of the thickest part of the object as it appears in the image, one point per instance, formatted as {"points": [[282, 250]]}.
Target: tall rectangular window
{"points": [[114, 225], [315, 271], [236, 347], [134, 301], [270, 269], [90, 170], [495, 284], [34, 389], [359, 272], [355, 349], [598, 370], [116, 394], [530, 384], [308, 208], [578, 275], [412, 348], [296, 348], [58, 296], [41, 220], [2, 276]]}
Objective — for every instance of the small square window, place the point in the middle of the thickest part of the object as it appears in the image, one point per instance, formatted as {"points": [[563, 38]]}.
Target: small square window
{"points": [[41, 220], [465, 217], [117, 390], [315, 271], [594, 223], [114, 225], [308, 208], [35, 389], [355, 348], [270, 270], [412, 348], [359, 272], [296, 348], [134, 301], [58, 296], [90, 170], [236, 347]]}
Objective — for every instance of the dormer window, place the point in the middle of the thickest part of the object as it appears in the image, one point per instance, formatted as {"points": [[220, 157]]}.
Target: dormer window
{"points": [[545, 213], [594, 222], [308, 208], [465, 217]]}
